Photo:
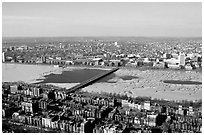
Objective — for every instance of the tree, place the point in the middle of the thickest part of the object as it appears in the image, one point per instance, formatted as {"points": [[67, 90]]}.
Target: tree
{"points": [[160, 119]]}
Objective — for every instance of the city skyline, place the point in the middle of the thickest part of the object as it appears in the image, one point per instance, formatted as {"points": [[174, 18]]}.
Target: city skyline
{"points": [[102, 19]]}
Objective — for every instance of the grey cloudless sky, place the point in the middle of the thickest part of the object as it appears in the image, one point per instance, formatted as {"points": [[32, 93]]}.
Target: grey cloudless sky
{"points": [[102, 19]]}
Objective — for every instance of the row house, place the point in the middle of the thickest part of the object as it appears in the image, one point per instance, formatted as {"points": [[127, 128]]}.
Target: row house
{"points": [[102, 112], [76, 111], [118, 117], [82, 126], [62, 125], [132, 105], [151, 120], [28, 92], [46, 122], [89, 113], [36, 91], [13, 89], [32, 91], [77, 98], [103, 102], [108, 129], [91, 107], [45, 94], [137, 121], [60, 95], [54, 124], [43, 104], [37, 121], [60, 114], [65, 116], [169, 110], [185, 111], [185, 126], [98, 129], [70, 126], [55, 61], [146, 105], [27, 119], [27, 99], [74, 105], [21, 118], [88, 100], [15, 116], [141, 121], [29, 106]]}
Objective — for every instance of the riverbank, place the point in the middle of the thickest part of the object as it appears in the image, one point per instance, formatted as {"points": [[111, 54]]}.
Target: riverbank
{"points": [[141, 68]]}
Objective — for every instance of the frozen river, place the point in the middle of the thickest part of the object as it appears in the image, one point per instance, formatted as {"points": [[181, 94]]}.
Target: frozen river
{"points": [[22, 72]]}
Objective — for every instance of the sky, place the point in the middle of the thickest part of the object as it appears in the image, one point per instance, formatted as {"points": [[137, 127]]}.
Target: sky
{"points": [[102, 19]]}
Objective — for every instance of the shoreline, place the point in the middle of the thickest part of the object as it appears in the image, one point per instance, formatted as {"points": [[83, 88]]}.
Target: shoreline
{"points": [[70, 66], [199, 70]]}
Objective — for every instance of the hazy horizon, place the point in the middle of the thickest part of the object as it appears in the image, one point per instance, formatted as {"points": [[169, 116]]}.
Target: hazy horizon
{"points": [[102, 19]]}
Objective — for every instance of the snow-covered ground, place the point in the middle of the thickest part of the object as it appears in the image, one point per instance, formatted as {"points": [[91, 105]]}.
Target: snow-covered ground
{"points": [[150, 83], [26, 73]]}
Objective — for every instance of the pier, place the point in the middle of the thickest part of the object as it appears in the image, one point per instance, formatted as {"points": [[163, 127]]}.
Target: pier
{"points": [[90, 81]]}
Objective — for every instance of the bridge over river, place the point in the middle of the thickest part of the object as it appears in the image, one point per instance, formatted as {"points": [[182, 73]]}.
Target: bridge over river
{"points": [[90, 81]]}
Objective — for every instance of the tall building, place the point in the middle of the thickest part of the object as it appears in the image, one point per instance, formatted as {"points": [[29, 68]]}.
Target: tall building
{"points": [[36, 92], [13, 89], [182, 59], [147, 105], [43, 59], [3, 57], [11, 48]]}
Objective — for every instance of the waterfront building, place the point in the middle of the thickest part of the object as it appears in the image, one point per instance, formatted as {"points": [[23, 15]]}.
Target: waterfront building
{"points": [[43, 59], [13, 89], [147, 105], [36, 92], [181, 59], [3, 56]]}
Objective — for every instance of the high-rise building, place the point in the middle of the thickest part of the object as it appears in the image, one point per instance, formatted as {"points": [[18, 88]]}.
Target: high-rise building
{"points": [[147, 105], [13, 89], [43, 59], [11, 48], [182, 59], [36, 92], [3, 57]]}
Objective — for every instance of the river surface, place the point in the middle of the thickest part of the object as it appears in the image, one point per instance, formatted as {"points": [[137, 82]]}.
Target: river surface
{"points": [[49, 74], [46, 73], [74, 76]]}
